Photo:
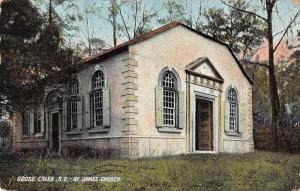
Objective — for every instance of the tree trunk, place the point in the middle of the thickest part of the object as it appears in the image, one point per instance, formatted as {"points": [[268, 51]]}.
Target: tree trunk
{"points": [[272, 80], [114, 23], [50, 12]]}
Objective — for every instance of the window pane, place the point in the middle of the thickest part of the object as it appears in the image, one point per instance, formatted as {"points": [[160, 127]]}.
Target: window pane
{"points": [[98, 80], [232, 98], [37, 122], [25, 123], [74, 87], [169, 80], [169, 107], [98, 107], [73, 113]]}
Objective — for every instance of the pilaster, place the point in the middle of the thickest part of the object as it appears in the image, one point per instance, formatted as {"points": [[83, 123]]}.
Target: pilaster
{"points": [[129, 106]]}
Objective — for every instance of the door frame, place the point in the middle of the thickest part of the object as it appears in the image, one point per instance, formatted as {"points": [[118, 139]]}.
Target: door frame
{"points": [[208, 97], [50, 114]]}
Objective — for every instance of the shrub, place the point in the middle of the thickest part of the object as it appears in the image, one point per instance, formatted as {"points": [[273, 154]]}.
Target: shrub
{"points": [[89, 151], [5, 136], [33, 152], [288, 136]]}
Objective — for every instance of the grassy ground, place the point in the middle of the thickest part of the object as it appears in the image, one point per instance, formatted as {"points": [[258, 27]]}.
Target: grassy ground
{"points": [[254, 171]]}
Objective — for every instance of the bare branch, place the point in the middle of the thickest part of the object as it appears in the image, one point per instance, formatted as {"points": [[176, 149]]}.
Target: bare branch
{"points": [[279, 32], [181, 14], [135, 18], [244, 11], [98, 15], [256, 63], [199, 14], [273, 2], [141, 24], [123, 20], [287, 28]]}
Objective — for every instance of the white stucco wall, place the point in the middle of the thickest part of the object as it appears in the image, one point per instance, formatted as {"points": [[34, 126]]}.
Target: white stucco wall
{"points": [[177, 48], [112, 69], [135, 132]]}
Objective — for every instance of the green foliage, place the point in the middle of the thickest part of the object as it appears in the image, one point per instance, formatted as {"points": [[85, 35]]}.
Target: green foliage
{"points": [[31, 52], [289, 92], [243, 32], [259, 171], [288, 77], [78, 150], [261, 100], [174, 12], [14, 19], [5, 128]]}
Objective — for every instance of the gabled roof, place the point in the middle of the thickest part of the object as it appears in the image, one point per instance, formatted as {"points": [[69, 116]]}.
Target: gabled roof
{"points": [[124, 46], [192, 66]]}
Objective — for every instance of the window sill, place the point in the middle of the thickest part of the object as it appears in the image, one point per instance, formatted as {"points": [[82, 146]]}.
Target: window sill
{"points": [[74, 132], [169, 129], [25, 137], [232, 133], [38, 135], [98, 130]]}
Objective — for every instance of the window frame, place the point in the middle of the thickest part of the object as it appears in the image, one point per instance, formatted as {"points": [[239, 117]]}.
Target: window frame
{"points": [[72, 104], [233, 103], [96, 93], [27, 122], [37, 122], [170, 89]]}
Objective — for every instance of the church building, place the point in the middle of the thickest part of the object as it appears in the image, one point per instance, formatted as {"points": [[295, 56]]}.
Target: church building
{"points": [[170, 91]]}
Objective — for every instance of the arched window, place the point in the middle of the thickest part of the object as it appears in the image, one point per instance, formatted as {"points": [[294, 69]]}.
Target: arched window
{"points": [[73, 104], [233, 109], [74, 87], [97, 99], [98, 80], [169, 85]]}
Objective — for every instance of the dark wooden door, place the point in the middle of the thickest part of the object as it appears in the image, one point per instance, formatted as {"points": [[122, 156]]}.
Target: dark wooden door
{"points": [[55, 132], [204, 135]]}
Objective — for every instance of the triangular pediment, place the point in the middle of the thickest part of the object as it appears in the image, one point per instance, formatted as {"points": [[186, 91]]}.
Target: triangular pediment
{"points": [[205, 68]]}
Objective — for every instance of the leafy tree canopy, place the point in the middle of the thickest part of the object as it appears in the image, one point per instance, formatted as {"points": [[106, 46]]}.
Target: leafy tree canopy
{"points": [[241, 31], [31, 55]]}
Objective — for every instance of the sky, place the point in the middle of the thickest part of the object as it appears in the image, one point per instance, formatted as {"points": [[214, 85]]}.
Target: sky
{"points": [[103, 30]]}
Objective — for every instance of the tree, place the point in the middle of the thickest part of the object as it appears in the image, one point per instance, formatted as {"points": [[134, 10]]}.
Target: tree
{"points": [[289, 88], [242, 33], [261, 101], [274, 98], [128, 25], [24, 71], [95, 45], [141, 18], [181, 12], [63, 12]]}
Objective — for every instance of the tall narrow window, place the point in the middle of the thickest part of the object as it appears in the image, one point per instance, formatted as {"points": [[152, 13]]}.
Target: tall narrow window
{"points": [[169, 85], [97, 99], [25, 124], [233, 111], [37, 122], [72, 104]]}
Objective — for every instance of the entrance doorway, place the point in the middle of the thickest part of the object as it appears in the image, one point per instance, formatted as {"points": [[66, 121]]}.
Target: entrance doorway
{"points": [[204, 125], [55, 131]]}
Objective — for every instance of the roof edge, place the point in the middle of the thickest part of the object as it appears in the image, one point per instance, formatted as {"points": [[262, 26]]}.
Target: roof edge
{"points": [[124, 46]]}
